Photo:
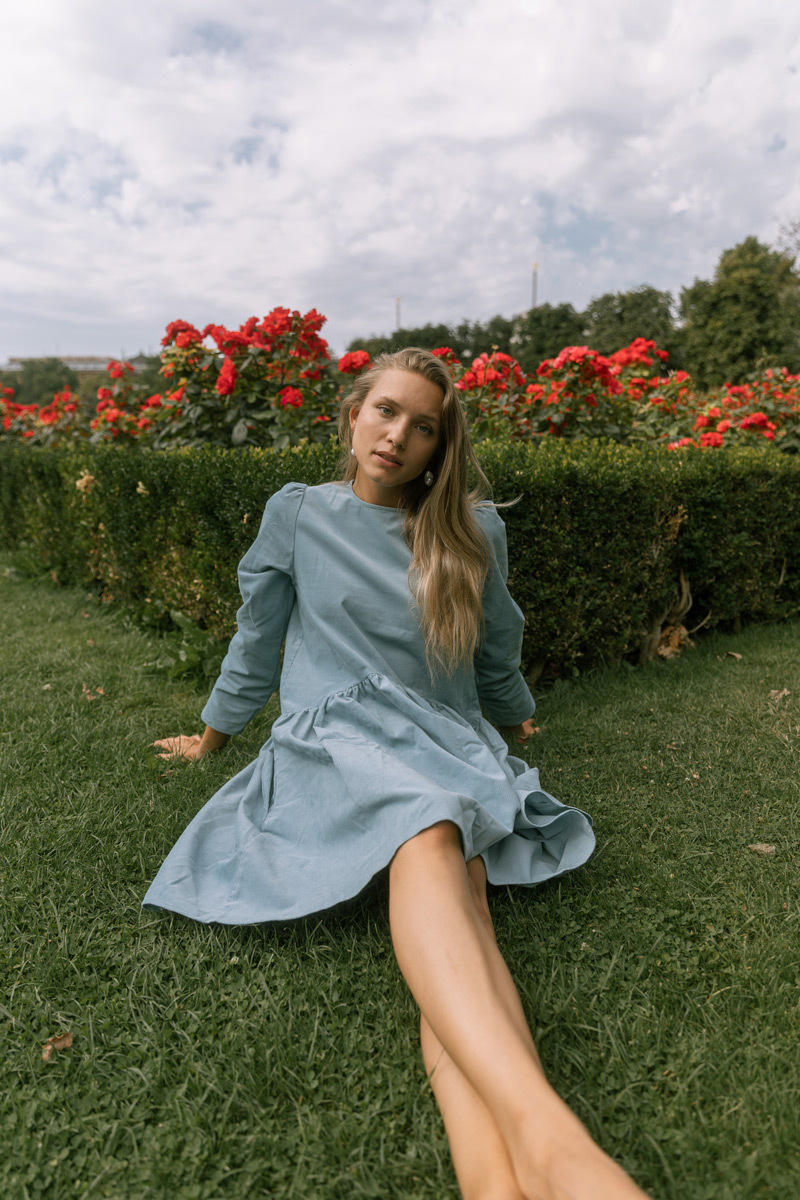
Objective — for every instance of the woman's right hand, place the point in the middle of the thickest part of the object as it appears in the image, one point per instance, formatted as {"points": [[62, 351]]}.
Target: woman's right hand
{"points": [[192, 745], [182, 746]]}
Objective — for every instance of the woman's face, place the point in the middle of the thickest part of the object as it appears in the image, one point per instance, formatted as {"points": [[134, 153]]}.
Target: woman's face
{"points": [[395, 433]]}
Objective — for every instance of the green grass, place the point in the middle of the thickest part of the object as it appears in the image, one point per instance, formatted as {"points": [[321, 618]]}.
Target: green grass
{"points": [[281, 1061]]}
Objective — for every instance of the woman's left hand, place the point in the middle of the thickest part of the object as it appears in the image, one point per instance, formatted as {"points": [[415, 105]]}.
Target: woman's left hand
{"points": [[521, 732]]}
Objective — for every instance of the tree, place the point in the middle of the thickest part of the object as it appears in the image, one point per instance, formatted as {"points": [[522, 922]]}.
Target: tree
{"points": [[38, 379], [616, 318], [468, 338], [428, 337], [789, 240], [747, 316], [543, 332], [471, 338]]}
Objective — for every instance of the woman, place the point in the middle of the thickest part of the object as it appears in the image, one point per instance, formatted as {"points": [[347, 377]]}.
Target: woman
{"points": [[389, 589]]}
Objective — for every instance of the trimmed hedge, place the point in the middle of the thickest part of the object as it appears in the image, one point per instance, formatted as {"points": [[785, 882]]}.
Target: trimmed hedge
{"points": [[597, 539]]}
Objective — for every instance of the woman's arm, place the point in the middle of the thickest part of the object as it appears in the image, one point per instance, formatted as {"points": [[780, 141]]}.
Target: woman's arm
{"points": [[191, 746], [250, 670], [502, 691]]}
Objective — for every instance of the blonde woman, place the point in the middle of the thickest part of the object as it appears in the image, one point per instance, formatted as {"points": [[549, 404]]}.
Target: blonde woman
{"points": [[389, 589]]}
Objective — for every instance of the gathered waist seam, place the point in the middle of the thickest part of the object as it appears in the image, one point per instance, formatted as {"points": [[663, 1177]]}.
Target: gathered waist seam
{"points": [[417, 697]]}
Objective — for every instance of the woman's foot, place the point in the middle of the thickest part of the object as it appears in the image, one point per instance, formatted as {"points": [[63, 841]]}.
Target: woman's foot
{"points": [[560, 1161]]}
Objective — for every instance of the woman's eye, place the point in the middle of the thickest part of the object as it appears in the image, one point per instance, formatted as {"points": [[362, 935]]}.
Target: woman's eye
{"points": [[425, 428]]}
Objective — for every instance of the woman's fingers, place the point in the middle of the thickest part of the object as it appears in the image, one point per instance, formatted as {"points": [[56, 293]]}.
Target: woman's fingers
{"points": [[521, 732], [183, 746]]}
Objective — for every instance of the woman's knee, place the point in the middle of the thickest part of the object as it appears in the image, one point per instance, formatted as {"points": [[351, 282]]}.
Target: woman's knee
{"points": [[443, 837]]}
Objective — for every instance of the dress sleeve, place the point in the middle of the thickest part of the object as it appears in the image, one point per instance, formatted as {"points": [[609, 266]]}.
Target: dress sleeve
{"points": [[502, 691], [251, 668]]}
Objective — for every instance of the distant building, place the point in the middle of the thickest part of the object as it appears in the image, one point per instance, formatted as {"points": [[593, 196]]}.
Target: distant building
{"points": [[84, 364]]}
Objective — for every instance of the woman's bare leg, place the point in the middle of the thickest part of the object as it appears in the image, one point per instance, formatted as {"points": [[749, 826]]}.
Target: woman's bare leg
{"points": [[451, 963], [480, 1158]]}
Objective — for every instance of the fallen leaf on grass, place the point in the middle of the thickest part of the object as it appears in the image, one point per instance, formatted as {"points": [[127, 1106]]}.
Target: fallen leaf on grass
{"points": [[674, 638], [761, 848], [779, 693], [59, 1041], [47, 687], [90, 641], [733, 654], [98, 692], [85, 616]]}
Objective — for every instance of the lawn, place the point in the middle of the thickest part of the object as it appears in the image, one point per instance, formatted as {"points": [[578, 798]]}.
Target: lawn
{"points": [[662, 980]]}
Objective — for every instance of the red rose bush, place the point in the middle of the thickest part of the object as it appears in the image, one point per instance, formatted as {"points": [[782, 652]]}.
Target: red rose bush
{"points": [[272, 383]]}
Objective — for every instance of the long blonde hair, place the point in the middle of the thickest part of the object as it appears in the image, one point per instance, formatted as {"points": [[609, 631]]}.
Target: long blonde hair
{"points": [[449, 552]]}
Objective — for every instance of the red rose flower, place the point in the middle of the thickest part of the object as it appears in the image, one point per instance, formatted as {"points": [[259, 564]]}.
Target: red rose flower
{"points": [[227, 378], [354, 362], [291, 397], [181, 327]]}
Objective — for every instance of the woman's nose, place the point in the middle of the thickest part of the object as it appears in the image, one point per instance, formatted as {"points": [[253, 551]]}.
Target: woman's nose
{"points": [[397, 435]]}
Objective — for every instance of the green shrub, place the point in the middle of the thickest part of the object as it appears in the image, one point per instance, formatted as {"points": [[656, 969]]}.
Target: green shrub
{"points": [[592, 545], [598, 537], [740, 546]]}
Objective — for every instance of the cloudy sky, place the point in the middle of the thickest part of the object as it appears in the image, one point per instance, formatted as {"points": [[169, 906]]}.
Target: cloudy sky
{"points": [[208, 161]]}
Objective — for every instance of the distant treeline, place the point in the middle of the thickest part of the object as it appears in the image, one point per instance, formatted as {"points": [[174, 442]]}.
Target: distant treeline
{"points": [[38, 379], [719, 330]]}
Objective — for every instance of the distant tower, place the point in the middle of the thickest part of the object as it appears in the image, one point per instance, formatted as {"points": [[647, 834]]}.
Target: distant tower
{"points": [[535, 282], [397, 311]]}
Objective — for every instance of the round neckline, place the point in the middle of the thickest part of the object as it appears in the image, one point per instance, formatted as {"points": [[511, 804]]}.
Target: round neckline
{"points": [[390, 508]]}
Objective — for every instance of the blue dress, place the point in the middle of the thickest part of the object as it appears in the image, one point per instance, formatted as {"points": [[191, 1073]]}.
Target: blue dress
{"points": [[370, 748]]}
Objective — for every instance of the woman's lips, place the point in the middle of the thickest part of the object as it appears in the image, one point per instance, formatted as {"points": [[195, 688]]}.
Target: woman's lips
{"points": [[389, 462]]}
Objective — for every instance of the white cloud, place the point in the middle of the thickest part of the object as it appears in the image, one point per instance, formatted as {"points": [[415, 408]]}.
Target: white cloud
{"points": [[189, 160]]}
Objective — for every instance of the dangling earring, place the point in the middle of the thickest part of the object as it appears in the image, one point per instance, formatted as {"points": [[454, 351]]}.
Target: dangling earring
{"points": [[427, 478], [352, 451]]}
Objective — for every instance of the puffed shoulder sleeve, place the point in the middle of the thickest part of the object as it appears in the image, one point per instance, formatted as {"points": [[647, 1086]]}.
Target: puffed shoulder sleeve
{"points": [[251, 668], [502, 691]]}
